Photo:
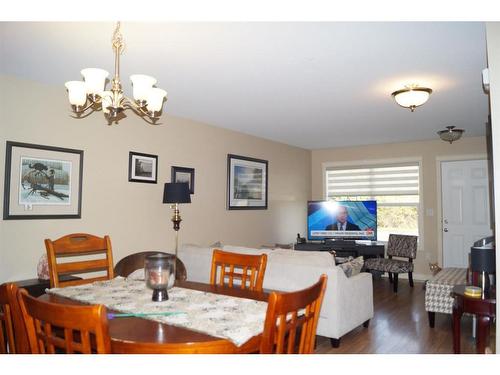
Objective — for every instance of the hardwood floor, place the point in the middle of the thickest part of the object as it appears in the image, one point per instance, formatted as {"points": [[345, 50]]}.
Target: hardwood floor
{"points": [[400, 325]]}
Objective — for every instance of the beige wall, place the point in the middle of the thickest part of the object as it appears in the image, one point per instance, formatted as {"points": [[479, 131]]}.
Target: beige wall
{"points": [[132, 213], [428, 152]]}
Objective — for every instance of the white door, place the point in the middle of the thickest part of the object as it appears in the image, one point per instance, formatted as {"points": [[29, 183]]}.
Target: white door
{"points": [[465, 201]]}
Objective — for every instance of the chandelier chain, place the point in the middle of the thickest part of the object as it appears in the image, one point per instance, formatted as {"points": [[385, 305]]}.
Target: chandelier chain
{"points": [[117, 41]]}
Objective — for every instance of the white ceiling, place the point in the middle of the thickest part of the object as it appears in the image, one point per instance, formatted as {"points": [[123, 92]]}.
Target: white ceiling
{"points": [[313, 85]]}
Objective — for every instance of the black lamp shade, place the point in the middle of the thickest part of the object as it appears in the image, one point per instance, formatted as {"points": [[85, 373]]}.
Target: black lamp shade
{"points": [[177, 192], [482, 260]]}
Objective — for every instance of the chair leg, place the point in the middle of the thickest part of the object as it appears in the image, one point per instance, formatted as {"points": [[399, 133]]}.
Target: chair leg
{"points": [[410, 278], [390, 277], [395, 282], [335, 342], [432, 318], [366, 323]]}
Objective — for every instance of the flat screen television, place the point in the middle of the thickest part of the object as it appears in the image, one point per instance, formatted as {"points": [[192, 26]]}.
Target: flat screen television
{"points": [[347, 220]]}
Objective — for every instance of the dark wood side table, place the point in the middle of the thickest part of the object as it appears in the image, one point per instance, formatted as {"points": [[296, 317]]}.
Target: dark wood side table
{"points": [[483, 307], [36, 287]]}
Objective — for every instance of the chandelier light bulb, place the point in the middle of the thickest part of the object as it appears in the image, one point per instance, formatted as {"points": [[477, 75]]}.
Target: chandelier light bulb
{"points": [[95, 80], [155, 99], [141, 85], [77, 94], [107, 101]]}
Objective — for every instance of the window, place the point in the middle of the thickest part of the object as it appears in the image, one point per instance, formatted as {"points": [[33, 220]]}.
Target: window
{"points": [[395, 187]]}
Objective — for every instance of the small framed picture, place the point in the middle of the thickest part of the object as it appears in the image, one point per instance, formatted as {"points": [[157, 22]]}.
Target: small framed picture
{"points": [[182, 174], [42, 182], [142, 167], [246, 183]]}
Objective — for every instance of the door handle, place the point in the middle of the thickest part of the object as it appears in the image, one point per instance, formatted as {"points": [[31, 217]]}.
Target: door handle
{"points": [[445, 229]]}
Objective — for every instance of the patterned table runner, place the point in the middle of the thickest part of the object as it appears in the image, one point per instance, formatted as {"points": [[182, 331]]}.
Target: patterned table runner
{"points": [[232, 318]]}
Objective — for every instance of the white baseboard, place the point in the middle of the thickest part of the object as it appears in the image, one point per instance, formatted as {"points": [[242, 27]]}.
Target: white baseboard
{"points": [[416, 276]]}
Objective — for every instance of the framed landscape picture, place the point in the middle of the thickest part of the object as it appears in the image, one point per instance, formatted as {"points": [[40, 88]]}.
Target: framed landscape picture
{"points": [[182, 174], [42, 182], [246, 183], [142, 167]]}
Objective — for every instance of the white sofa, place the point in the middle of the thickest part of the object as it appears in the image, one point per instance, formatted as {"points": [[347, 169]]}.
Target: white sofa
{"points": [[347, 304]]}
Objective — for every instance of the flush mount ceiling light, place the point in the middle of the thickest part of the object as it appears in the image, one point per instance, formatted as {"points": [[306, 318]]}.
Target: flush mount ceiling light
{"points": [[450, 134], [90, 94], [412, 96]]}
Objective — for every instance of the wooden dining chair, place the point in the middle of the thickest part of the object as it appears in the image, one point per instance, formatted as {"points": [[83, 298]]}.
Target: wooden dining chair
{"points": [[7, 344], [135, 261], [55, 328], [12, 330], [204, 347], [247, 270], [293, 317], [79, 245]]}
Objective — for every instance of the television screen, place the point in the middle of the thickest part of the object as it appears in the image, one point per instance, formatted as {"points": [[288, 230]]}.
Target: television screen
{"points": [[342, 220]]}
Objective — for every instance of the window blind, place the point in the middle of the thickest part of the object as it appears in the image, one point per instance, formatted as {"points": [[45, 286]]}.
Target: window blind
{"points": [[394, 179]]}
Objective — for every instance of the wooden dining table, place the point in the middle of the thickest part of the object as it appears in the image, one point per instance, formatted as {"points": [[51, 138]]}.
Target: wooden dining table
{"points": [[135, 329]]}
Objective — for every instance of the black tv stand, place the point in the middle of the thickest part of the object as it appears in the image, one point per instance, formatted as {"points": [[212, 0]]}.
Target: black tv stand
{"points": [[340, 243], [345, 248]]}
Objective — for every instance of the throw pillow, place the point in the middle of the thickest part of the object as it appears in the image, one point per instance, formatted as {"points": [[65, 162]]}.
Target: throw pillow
{"points": [[353, 266], [42, 268], [217, 245]]}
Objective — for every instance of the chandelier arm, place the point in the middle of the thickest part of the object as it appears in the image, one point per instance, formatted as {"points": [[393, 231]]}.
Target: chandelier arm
{"points": [[136, 108], [81, 111], [144, 115], [80, 115]]}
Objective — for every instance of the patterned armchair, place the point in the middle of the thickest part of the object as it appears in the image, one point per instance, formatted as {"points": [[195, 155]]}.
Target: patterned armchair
{"points": [[400, 246]]}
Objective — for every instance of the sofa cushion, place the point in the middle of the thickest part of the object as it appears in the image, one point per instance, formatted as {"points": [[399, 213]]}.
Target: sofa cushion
{"points": [[245, 250], [352, 267]]}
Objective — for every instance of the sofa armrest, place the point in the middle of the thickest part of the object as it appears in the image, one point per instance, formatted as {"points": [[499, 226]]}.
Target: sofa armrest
{"points": [[348, 303]]}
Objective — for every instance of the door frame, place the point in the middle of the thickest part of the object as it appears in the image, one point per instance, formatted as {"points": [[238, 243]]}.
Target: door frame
{"points": [[439, 161]]}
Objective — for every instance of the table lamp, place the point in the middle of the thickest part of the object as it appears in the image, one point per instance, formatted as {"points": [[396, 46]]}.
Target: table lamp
{"points": [[483, 262], [176, 193]]}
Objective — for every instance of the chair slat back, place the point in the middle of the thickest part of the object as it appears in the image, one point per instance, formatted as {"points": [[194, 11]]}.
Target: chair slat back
{"points": [[78, 245], [206, 347], [247, 270], [403, 246], [54, 328], [12, 330], [292, 319]]}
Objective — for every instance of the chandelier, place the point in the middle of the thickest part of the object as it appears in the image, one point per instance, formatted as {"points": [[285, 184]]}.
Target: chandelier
{"points": [[91, 94], [412, 96], [450, 134]]}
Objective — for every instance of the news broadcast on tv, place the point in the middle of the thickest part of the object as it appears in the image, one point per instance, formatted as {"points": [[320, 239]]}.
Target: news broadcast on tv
{"points": [[342, 220]]}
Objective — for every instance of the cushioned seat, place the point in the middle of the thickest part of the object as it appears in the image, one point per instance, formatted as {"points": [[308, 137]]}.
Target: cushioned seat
{"points": [[389, 265]]}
